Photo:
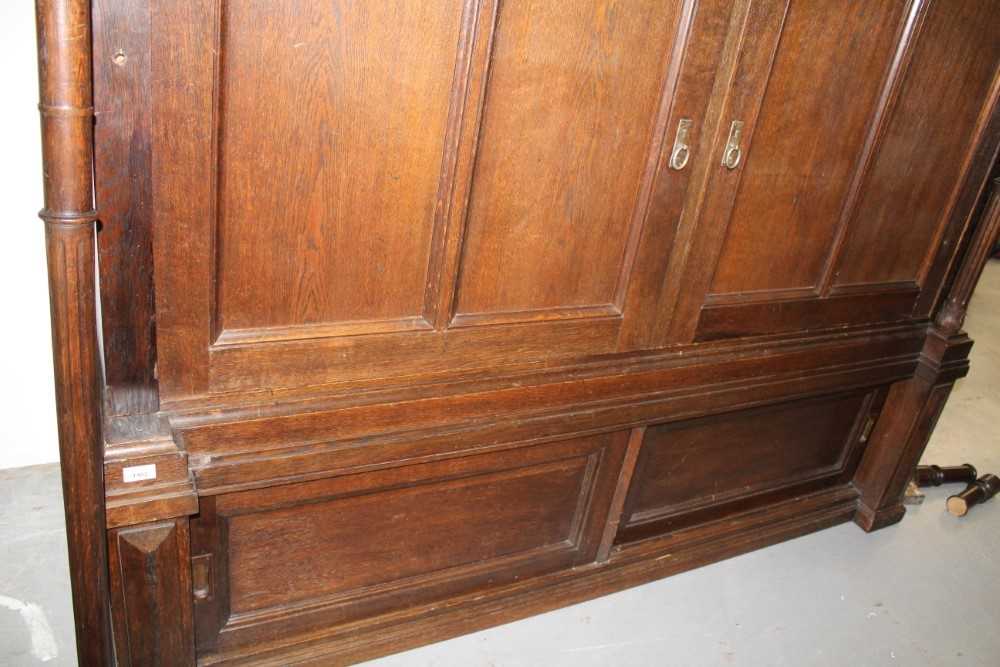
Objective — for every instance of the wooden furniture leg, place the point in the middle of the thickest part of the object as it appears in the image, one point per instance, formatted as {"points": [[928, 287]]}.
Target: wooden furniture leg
{"points": [[67, 117], [978, 492], [912, 410], [913, 406]]}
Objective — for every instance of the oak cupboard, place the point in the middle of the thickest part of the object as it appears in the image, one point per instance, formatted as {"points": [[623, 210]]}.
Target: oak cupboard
{"points": [[419, 317]]}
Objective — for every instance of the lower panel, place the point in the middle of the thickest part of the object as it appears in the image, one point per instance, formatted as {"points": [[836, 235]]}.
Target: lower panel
{"points": [[693, 471], [629, 566], [312, 555], [376, 559]]}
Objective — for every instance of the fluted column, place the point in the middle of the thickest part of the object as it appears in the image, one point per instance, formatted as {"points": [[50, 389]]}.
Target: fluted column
{"points": [[67, 116]]}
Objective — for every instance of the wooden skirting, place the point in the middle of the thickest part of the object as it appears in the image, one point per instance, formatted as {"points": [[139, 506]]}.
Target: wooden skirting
{"points": [[629, 566]]}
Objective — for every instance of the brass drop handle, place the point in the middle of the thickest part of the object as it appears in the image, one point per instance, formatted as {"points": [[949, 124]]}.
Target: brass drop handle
{"points": [[681, 152], [733, 154]]}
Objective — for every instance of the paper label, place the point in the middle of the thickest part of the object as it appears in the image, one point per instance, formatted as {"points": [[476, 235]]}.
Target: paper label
{"points": [[139, 473]]}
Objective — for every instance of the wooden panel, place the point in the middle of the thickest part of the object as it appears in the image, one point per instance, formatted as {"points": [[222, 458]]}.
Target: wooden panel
{"points": [[181, 85], [709, 462], [331, 134], [761, 240], [124, 189], [322, 552], [779, 315], [701, 48], [338, 430], [151, 584], [798, 170], [752, 40], [346, 544], [927, 142], [573, 93], [387, 358], [896, 447], [204, 351], [637, 564]]}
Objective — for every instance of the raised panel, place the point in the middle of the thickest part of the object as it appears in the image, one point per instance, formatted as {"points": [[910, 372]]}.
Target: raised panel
{"points": [[808, 142], [331, 124], [573, 93], [315, 554], [906, 198], [709, 462], [296, 256], [343, 545]]}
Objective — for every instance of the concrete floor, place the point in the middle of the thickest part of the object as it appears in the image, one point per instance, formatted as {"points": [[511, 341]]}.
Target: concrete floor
{"points": [[924, 592]]}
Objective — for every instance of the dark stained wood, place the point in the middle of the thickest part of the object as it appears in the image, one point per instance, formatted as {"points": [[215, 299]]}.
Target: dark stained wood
{"points": [[70, 249], [341, 359], [397, 535], [466, 107], [346, 205], [208, 332], [762, 317], [550, 215], [952, 313], [382, 346], [737, 95], [693, 465], [677, 386], [444, 334], [933, 475], [353, 546], [701, 39], [621, 493], [964, 217], [124, 191], [799, 168], [66, 106], [181, 90], [765, 232], [151, 583], [915, 405], [904, 182], [978, 492], [630, 565], [901, 435], [143, 441], [765, 246]]}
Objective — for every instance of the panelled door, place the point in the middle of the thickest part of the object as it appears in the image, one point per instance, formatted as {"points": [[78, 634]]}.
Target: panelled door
{"points": [[348, 190], [839, 142], [354, 191]]}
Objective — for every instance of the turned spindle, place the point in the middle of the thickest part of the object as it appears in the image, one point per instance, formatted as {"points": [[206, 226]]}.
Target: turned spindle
{"points": [[976, 493], [937, 475]]}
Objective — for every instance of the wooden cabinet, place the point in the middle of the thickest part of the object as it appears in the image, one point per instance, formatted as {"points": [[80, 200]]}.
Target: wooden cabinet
{"points": [[361, 202], [422, 316]]}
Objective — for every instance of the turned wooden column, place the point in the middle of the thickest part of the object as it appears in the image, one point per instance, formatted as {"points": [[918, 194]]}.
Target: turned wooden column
{"points": [[67, 116], [913, 407]]}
